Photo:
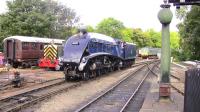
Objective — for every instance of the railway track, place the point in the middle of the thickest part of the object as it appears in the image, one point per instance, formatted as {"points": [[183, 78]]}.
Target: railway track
{"points": [[20, 101], [176, 82], [118, 97], [9, 85], [172, 75], [23, 100], [8, 95]]}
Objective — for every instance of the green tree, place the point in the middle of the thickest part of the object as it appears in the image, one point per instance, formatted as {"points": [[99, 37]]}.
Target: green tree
{"points": [[110, 27], [154, 38], [65, 19], [140, 38], [90, 28], [190, 34], [174, 40], [26, 17], [181, 13], [127, 35], [42, 18]]}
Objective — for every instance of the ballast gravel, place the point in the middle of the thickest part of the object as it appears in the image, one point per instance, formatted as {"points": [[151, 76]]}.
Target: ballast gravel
{"points": [[71, 100]]}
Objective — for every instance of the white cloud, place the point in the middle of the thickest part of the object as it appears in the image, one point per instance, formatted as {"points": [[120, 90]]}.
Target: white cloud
{"points": [[3, 7]]}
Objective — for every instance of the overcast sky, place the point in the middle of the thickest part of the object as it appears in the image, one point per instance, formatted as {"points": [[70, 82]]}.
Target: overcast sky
{"points": [[133, 13]]}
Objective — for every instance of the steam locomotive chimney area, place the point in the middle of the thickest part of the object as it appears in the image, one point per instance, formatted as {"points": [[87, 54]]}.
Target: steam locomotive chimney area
{"points": [[165, 16]]}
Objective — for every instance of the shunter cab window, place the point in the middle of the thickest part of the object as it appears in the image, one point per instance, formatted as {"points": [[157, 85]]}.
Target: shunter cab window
{"points": [[25, 45]]}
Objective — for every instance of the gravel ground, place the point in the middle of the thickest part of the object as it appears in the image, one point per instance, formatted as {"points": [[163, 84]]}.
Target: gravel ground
{"points": [[178, 72], [68, 101], [31, 77]]}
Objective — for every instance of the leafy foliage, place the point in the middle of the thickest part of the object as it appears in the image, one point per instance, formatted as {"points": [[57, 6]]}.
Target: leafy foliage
{"points": [[65, 19], [110, 27], [151, 38], [174, 40], [127, 35], [181, 13], [140, 38], [26, 18], [42, 18], [190, 34], [154, 38], [90, 29]]}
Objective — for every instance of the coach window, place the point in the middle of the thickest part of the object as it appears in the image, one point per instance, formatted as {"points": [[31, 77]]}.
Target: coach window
{"points": [[41, 47], [25, 45], [34, 46]]}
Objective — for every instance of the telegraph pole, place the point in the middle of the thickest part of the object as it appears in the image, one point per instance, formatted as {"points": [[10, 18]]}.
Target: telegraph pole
{"points": [[165, 16]]}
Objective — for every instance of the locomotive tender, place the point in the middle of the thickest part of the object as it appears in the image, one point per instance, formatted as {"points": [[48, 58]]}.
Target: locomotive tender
{"points": [[88, 55], [25, 51]]}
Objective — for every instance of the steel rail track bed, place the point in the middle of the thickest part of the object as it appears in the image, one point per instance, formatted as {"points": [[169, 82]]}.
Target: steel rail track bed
{"points": [[20, 101], [178, 89], [117, 97]]}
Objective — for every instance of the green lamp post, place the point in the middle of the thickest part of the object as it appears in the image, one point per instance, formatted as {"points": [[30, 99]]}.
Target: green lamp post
{"points": [[165, 16]]}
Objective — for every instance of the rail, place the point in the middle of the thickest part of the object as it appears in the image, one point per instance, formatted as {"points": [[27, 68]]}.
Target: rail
{"points": [[178, 89], [116, 85], [16, 106]]}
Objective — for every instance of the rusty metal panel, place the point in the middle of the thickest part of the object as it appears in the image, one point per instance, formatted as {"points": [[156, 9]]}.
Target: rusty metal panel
{"points": [[192, 91]]}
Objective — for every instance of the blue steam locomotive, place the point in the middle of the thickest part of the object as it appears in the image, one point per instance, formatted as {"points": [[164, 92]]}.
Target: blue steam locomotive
{"points": [[88, 55]]}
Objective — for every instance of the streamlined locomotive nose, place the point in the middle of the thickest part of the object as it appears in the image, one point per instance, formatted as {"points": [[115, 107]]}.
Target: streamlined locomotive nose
{"points": [[74, 48]]}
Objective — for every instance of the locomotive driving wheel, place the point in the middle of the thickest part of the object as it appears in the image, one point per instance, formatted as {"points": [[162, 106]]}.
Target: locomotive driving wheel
{"points": [[15, 65], [67, 78], [66, 74], [86, 75]]}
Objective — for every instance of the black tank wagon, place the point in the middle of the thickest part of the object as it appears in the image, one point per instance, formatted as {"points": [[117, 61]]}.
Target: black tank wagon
{"points": [[25, 51]]}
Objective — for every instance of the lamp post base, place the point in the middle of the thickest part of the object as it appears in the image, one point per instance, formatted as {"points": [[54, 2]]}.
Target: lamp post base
{"points": [[164, 90]]}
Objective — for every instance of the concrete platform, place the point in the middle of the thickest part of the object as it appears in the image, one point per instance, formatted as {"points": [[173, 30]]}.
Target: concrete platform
{"points": [[153, 104]]}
